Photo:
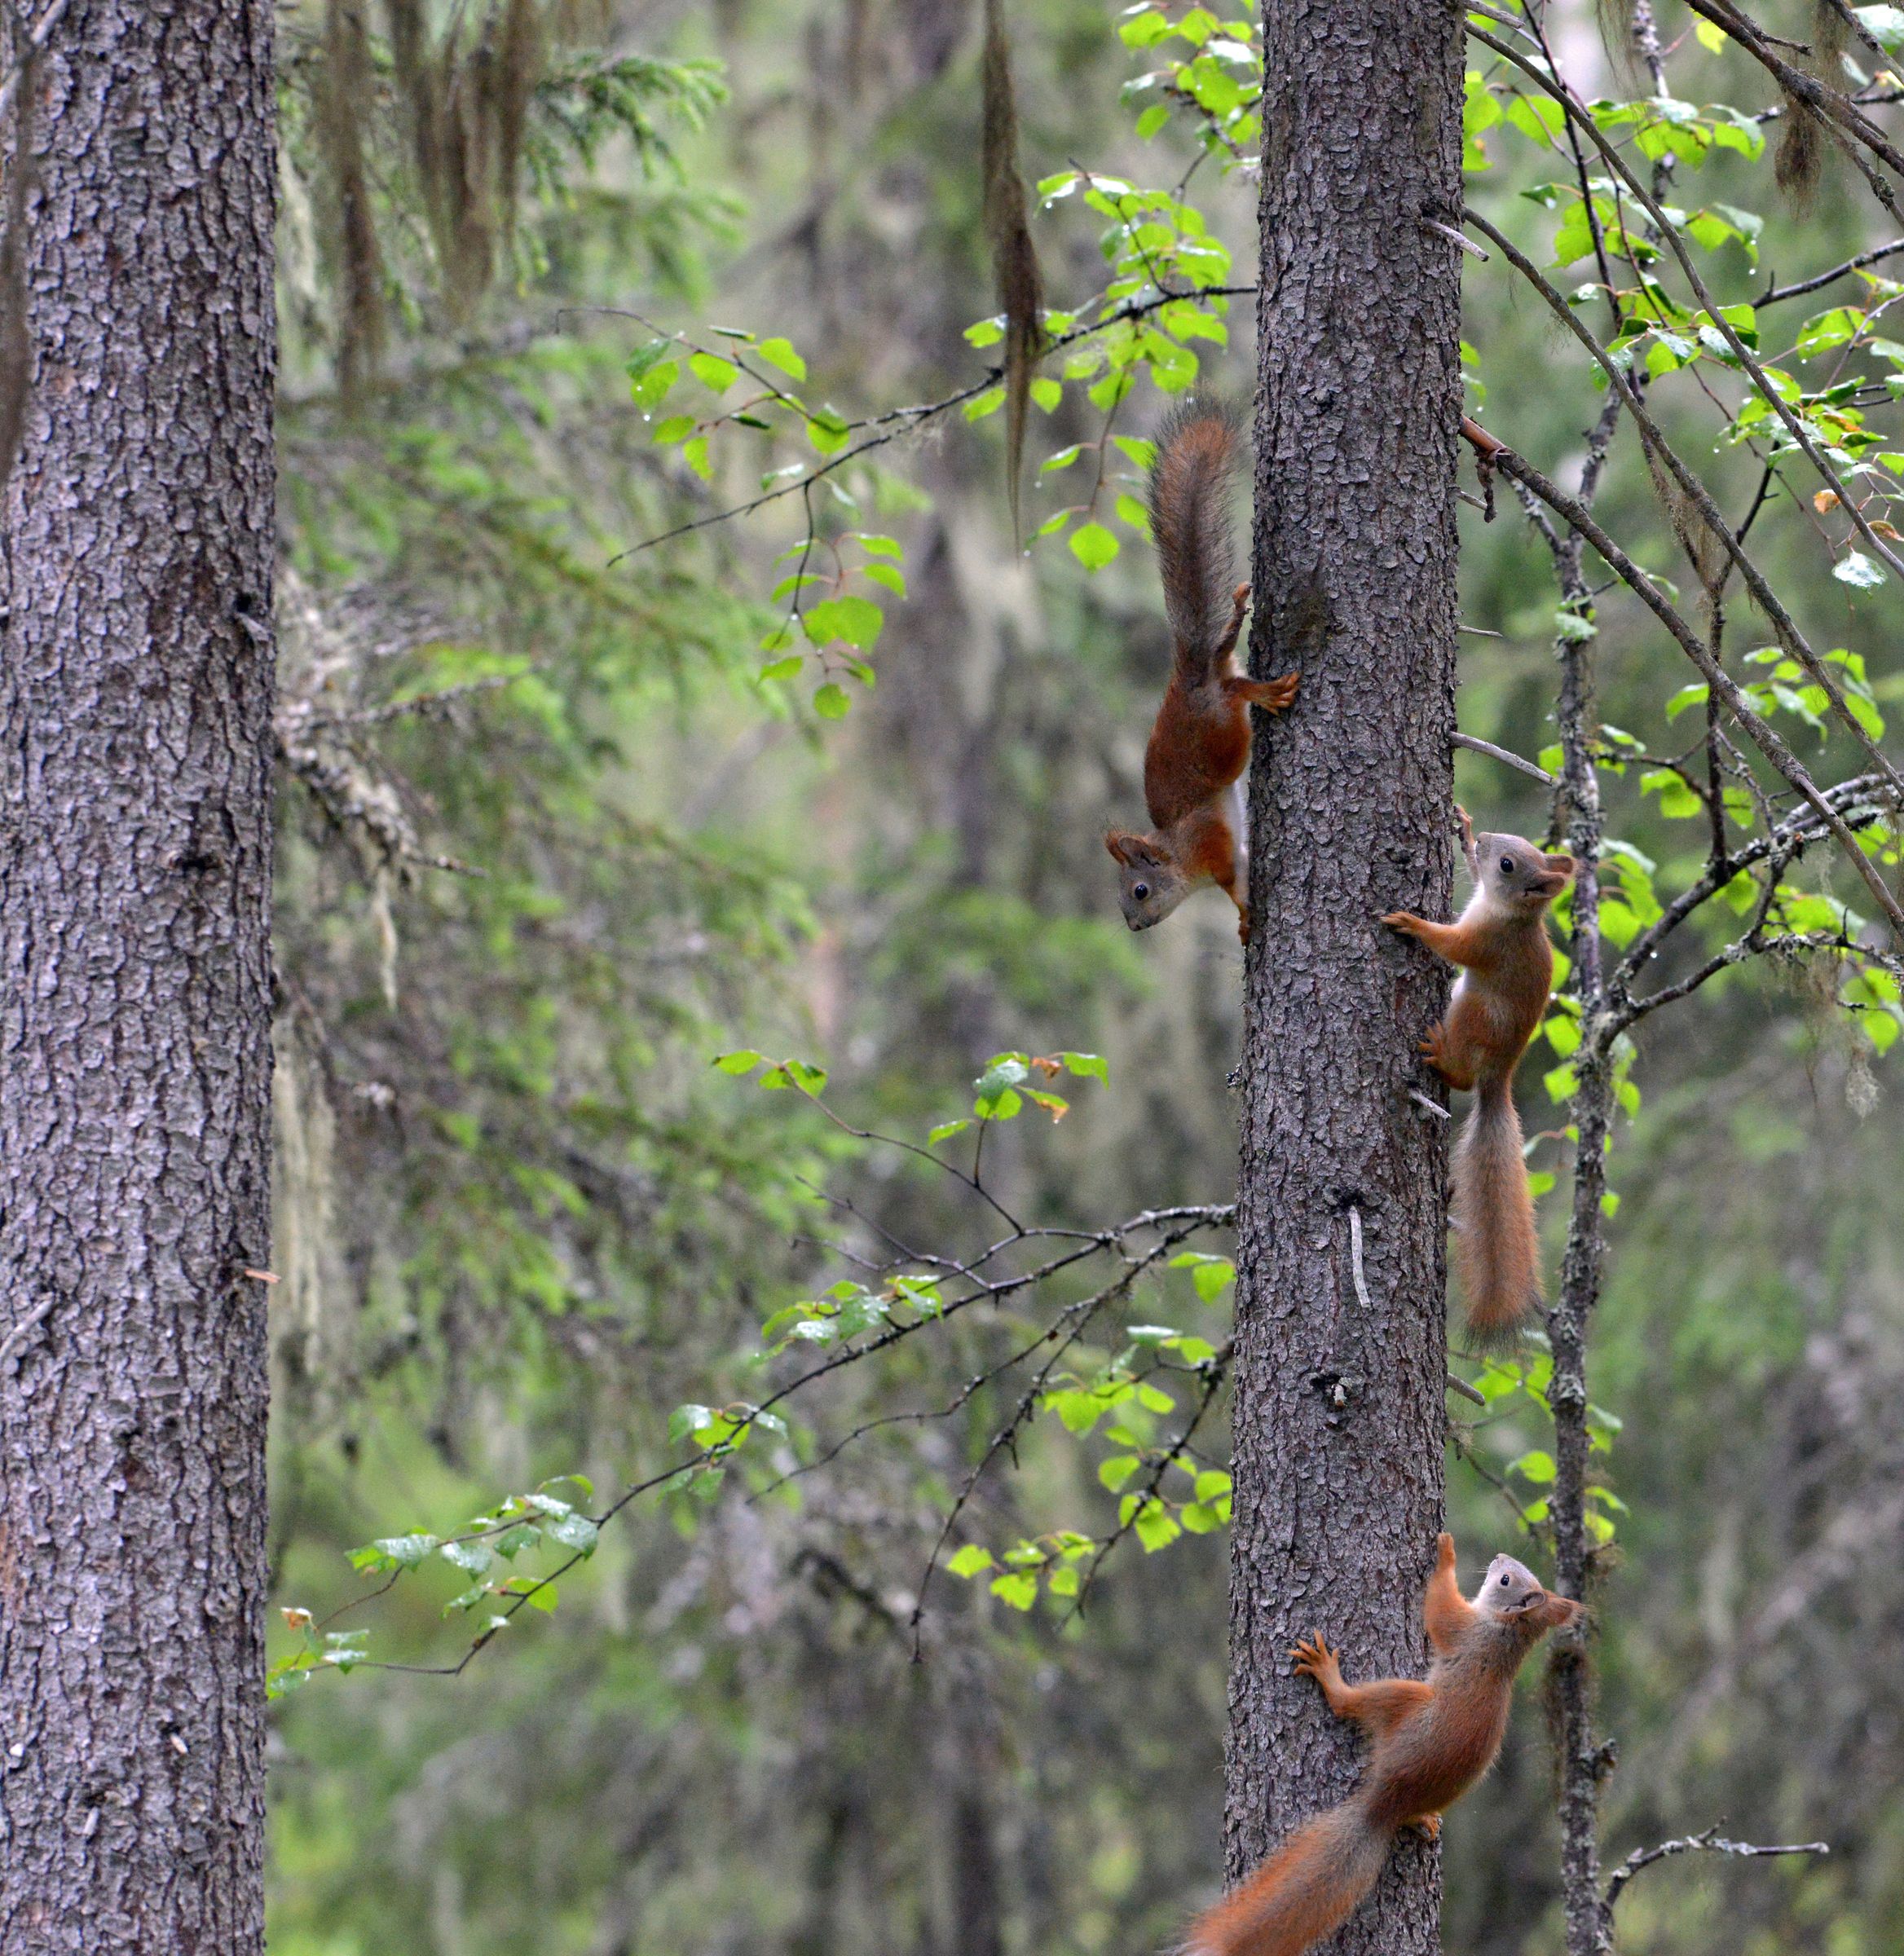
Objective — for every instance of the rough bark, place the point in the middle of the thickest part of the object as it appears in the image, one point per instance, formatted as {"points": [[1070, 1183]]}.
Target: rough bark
{"points": [[1340, 1412], [1581, 1761], [135, 692]]}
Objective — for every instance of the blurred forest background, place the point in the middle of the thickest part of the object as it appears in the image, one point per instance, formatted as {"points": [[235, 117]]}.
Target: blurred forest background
{"points": [[548, 845]]}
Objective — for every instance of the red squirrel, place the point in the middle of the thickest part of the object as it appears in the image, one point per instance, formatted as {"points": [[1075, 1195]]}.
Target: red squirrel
{"points": [[1200, 744], [1432, 1741], [1500, 941]]}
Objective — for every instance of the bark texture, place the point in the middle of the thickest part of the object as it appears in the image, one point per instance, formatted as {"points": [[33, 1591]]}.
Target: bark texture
{"points": [[1582, 1761], [1340, 1414], [135, 751]]}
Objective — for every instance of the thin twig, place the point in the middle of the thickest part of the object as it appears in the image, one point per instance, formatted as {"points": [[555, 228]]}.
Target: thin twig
{"points": [[1507, 758], [1213, 1369], [1174, 1225], [1844, 796], [1355, 1261], [37, 43], [1773, 294], [1768, 741], [1713, 1841], [896, 421], [1453, 237], [1826, 101], [1747, 360], [16, 1337], [1658, 448]]}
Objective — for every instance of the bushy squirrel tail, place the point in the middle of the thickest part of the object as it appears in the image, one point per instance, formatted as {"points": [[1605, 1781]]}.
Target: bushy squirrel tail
{"points": [[1190, 479], [1495, 1249], [1308, 1888]]}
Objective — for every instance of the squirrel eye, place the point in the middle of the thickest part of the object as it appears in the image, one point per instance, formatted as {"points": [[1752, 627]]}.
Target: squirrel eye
{"points": [[1506, 869], [1140, 891], [1503, 1582]]}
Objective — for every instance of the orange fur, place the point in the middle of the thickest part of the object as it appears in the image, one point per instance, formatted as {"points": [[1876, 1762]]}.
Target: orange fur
{"points": [[1432, 1741], [1199, 745], [1496, 1247], [1499, 944]]}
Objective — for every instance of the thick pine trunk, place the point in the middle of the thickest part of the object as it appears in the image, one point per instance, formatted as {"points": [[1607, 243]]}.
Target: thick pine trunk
{"points": [[135, 753], [1340, 1411]]}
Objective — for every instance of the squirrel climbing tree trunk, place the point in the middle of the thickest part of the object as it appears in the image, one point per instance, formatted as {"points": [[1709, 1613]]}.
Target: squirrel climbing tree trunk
{"points": [[136, 539], [1341, 1349]]}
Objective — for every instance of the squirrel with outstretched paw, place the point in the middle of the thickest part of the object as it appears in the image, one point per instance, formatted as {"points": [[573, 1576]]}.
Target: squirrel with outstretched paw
{"points": [[1200, 745], [1432, 1740], [1499, 942]]}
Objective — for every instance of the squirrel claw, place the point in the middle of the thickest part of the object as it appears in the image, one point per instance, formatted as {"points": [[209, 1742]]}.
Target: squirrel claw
{"points": [[1312, 1656], [1428, 1826], [1467, 836]]}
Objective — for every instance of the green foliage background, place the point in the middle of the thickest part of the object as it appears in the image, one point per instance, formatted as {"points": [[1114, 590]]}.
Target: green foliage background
{"points": [[523, 1218]]}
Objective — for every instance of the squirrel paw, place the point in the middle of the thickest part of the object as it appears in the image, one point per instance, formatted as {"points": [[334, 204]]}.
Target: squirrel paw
{"points": [[1444, 1548], [1271, 695], [1428, 1826], [1313, 1657], [1430, 1047]]}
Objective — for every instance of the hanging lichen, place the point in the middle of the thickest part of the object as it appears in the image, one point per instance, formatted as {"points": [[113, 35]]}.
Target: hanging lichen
{"points": [[433, 126], [309, 1304]]}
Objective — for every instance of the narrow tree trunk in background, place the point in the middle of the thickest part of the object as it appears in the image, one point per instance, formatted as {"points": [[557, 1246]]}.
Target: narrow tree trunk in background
{"points": [[1340, 1412], [135, 751], [1583, 1763]]}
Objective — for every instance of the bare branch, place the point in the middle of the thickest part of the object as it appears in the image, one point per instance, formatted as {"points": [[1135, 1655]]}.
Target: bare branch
{"points": [[1712, 1841], [1355, 1261], [1507, 758], [36, 43], [16, 1337], [1774, 294], [1453, 236], [1799, 84]]}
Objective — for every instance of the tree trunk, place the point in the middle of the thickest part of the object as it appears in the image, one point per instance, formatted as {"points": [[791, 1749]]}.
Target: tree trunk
{"points": [[135, 757], [1340, 1412], [1581, 1763]]}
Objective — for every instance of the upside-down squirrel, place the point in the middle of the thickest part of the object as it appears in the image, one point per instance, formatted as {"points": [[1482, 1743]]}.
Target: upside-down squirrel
{"points": [[1200, 744]]}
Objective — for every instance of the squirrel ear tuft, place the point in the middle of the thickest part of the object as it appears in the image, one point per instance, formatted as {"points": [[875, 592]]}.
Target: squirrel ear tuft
{"points": [[1128, 848], [1115, 841]]}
